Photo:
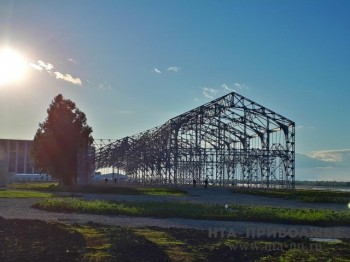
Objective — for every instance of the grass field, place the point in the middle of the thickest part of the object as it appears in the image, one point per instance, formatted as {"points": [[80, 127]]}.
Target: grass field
{"points": [[33, 240], [100, 189], [198, 211], [33, 185], [23, 194], [304, 195]]}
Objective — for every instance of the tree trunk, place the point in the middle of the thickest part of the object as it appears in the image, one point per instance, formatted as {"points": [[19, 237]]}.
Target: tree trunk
{"points": [[67, 180]]}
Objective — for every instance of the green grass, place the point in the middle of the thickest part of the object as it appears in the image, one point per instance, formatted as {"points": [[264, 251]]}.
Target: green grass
{"points": [[109, 189], [42, 186], [304, 195], [23, 194], [96, 243], [199, 211], [161, 191], [100, 189]]}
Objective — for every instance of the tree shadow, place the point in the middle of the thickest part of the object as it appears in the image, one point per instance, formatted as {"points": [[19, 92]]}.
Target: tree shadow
{"points": [[128, 246], [35, 240]]}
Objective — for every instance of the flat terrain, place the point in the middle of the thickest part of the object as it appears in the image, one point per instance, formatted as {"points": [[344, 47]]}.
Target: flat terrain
{"points": [[219, 196], [20, 208], [93, 237]]}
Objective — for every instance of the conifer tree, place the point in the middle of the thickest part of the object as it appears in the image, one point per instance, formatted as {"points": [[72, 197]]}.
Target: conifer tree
{"points": [[59, 139]]}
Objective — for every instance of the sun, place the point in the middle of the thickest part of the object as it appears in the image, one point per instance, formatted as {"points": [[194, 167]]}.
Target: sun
{"points": [[13, 66]]}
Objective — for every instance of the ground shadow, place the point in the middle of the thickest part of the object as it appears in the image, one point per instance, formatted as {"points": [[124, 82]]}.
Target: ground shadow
{"points": [[128, 246], [35, 240]]}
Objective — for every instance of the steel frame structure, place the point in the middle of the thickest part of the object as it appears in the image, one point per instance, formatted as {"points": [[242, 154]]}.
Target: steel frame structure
{"points": [[230, 140]]}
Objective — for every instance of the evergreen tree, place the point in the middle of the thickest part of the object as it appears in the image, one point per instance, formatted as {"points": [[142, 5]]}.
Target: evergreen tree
{"points": [[60, 138]]}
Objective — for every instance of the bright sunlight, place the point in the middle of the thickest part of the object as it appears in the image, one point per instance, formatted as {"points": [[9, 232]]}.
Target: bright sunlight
{"points": [[13, 66]]}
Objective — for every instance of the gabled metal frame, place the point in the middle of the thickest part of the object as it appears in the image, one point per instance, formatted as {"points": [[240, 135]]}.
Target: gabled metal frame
{"points": [[230, 141]]}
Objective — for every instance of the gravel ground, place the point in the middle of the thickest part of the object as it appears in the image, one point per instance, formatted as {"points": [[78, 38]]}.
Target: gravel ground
{"points": [[20, 208]]}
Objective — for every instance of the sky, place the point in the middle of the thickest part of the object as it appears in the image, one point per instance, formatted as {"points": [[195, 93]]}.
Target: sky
{"points": [[131, 65]]}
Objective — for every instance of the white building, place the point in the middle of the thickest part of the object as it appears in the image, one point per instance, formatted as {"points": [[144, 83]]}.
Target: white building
{"points": [[15, 159]]}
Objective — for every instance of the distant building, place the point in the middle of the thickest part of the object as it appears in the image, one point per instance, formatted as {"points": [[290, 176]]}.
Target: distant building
{"points": [[32, 177], [113, 177], [15, 156], [15, 159]]}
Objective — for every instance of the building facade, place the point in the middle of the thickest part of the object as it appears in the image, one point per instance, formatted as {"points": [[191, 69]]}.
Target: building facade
{"points": [[16, 163], [15, 157]]}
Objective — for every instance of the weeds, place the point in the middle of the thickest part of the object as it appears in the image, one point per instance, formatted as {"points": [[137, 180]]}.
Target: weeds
{"points": [[199, 211], [23, 194], [99, 189], [34, 186], [304, 195]]}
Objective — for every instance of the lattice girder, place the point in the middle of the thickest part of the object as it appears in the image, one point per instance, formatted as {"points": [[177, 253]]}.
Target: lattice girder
{"points": [[230, 140]]}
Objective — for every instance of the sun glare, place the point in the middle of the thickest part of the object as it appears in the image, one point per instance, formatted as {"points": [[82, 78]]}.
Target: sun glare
{"points": [[12, 66]]}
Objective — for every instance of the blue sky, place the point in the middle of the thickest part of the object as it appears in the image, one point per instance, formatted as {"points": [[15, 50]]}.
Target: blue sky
{"points": [[132, 65]]}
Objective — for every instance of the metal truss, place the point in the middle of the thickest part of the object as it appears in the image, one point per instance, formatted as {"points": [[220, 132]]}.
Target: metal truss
{"points": [[230, 141]]}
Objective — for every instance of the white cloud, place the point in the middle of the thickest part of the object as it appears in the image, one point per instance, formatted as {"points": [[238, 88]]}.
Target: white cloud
{"points": [[73, 61], [241, 86], [210, 92], [36, 67], [157, 70], [339, 156], [174, 68], [311, 168], [301, 127], [68, 78], [169, 69], [47, 66], [306, 161], [226, 88], [104, 86], [42, 65], [214, 92]]}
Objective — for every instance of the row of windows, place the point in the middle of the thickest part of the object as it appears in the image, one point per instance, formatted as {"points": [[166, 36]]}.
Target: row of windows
{"points": [[16, 156]]}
